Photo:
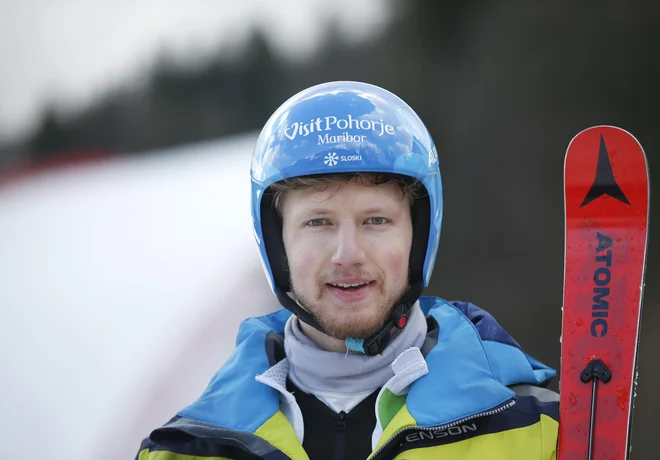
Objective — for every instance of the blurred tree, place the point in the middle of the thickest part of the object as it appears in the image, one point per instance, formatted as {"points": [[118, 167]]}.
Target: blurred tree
{"points": [[52, 134]]}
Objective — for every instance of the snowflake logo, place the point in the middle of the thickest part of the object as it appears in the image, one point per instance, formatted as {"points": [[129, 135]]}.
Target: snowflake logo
{"points": [[331, 159]]}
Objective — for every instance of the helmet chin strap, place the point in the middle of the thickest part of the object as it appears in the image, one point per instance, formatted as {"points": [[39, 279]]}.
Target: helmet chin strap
{"points": [[291, 305], [375, 343]]}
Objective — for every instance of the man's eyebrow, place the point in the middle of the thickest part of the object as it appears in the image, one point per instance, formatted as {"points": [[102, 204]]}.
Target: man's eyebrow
{"points": [[376, 210], [316, 212], [326, 211]]}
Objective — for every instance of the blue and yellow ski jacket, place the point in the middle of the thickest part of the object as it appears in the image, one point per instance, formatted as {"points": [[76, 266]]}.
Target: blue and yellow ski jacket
{"points": [[481, 397]]}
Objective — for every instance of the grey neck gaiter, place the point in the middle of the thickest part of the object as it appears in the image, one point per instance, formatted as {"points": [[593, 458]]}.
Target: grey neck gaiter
{"points": [[325, 371]]}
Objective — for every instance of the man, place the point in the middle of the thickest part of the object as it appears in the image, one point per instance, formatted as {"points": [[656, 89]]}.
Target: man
{"points": [[347, 207]]}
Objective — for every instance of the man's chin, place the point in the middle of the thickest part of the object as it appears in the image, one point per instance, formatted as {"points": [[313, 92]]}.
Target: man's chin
{"points": [[352, 327], [342, 321]]}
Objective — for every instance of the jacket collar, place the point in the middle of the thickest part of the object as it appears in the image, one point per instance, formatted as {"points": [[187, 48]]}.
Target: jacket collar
{"points": [[469, 370]]}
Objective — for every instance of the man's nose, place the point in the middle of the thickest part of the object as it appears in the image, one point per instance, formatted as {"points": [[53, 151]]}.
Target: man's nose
{"points": [[348, 250]]}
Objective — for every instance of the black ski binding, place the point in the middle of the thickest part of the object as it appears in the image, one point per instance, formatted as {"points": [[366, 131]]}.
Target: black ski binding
{"points": [[596, 369]]}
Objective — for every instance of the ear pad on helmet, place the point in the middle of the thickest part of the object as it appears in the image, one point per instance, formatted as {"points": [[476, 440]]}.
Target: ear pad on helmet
{"points": [[421, 221], [271, 229]]}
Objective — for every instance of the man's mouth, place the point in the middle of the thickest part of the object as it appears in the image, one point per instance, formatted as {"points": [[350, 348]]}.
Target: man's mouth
{"points": [[350, 286]]}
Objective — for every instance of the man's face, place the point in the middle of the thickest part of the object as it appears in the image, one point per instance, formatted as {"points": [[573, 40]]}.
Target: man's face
{"points": [[352, 234]]}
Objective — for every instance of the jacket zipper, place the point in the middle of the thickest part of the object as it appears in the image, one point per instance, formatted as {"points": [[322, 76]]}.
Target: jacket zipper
{"points": [[340, 435], [493, 411]]}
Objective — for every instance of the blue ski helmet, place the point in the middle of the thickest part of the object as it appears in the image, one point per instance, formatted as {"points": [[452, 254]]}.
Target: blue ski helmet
{"points": [[344, 127]]}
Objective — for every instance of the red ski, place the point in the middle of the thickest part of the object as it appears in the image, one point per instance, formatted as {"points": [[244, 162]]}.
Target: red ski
{"points": [[606, 192]]}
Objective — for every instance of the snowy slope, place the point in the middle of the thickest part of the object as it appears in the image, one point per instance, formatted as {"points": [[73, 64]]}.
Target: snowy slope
{"points": [[122, 286]]}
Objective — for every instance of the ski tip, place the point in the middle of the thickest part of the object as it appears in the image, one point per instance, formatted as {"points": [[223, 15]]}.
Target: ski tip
{"points": [[605, 128]]}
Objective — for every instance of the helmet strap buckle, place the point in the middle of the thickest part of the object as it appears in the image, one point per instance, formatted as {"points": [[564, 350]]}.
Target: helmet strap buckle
{"points": [[375, 344]]}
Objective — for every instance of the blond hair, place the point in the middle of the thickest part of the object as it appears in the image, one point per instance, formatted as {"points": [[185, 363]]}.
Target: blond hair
{"points": [[410, 187]]}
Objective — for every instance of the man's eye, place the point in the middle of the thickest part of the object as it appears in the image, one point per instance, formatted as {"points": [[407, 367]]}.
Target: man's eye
{"points": [[378, 220], [316, 222]]}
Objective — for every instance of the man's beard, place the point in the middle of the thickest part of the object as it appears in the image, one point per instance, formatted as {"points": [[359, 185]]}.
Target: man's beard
{"points": [[358, 326]]}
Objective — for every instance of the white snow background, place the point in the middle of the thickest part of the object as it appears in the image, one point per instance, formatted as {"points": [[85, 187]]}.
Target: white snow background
{"points": [[122, 286]]}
